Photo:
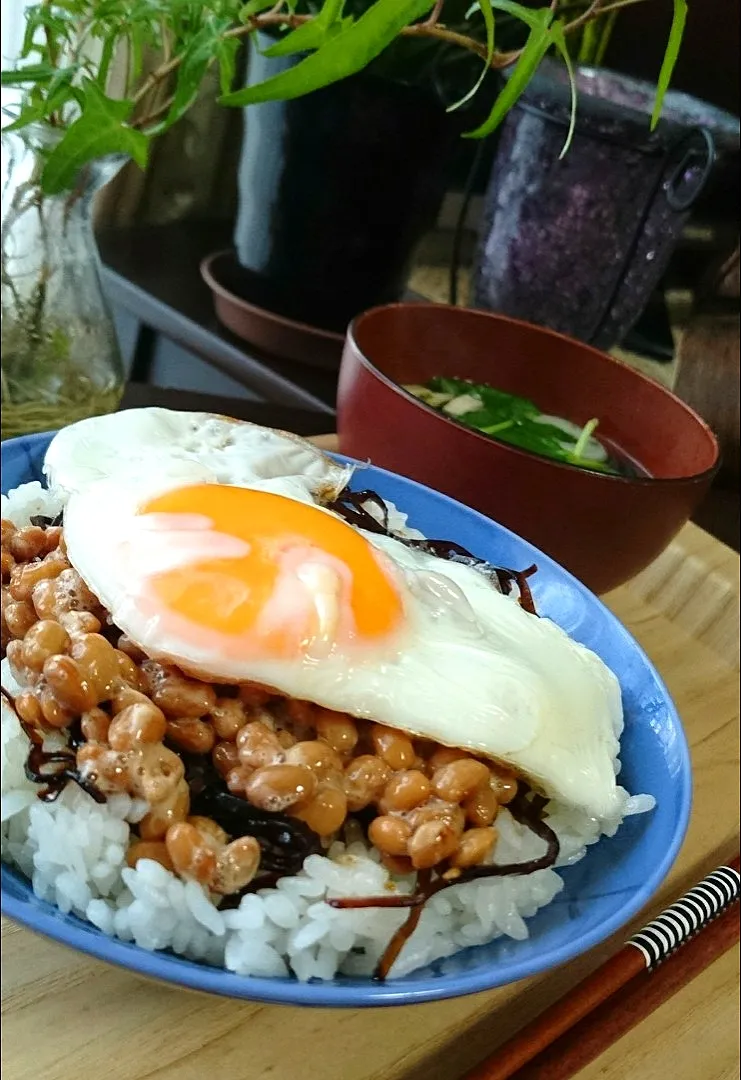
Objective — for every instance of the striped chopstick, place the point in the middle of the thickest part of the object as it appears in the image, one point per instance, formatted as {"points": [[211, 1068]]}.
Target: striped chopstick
{"points": [[689, 935]]}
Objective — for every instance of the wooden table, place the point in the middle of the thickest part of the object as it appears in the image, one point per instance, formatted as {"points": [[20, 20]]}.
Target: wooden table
{"points": [[68, 1017]]}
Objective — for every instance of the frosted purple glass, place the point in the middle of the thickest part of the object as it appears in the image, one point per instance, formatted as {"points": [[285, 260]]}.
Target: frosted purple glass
{"points": [[579, 244]]}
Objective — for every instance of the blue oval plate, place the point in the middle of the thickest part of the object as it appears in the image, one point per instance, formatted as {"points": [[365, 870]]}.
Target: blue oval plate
{"points": [[602, 892]]}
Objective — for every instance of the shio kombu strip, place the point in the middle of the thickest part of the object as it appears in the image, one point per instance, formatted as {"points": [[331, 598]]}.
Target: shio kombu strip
{"points": [[351, 506]]}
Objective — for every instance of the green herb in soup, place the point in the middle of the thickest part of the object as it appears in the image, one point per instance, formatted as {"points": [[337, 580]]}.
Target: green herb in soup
{"points": [[520, 422]]}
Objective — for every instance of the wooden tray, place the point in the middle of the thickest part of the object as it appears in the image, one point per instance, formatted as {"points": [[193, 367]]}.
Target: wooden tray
{"points": [[66, 1016]]}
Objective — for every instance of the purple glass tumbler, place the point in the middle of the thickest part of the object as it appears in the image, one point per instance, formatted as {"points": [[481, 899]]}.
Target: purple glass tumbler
{"points": [[578, 243]]}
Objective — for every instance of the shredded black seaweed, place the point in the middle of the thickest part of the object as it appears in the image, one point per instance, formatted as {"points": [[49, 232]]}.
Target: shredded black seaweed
{"points": [[52, 770], [351, 506], [44, 522], [525, 809], [284, 841]]}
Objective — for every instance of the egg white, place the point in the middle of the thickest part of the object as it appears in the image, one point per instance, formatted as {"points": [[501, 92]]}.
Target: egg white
{"points": [[469, 668], [142, 444]]}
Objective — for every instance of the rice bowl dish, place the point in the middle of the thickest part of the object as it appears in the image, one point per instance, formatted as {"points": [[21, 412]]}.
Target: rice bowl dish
{"points": [[303, 910]]}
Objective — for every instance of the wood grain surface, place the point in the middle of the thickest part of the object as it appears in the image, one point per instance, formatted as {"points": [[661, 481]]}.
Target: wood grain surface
{"points": [[693, 1035], [66, 1016]]}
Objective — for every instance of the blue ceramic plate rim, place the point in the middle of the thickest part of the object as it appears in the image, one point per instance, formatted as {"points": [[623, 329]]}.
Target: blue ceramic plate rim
{"points": [[42, 917]]}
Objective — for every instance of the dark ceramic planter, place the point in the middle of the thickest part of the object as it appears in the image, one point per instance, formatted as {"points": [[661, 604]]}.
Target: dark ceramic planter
{"points": [[336, 189], [579, 244]]}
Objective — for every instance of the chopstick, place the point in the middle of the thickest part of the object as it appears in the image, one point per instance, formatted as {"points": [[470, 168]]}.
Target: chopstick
{"points": [[686, 938], [593, 1036]]}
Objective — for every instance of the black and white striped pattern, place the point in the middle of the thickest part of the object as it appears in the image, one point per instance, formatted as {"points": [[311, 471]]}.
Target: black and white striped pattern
{"points": [[679, 922]]}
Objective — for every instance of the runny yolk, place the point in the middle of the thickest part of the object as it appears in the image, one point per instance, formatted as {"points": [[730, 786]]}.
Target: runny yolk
{"points": [[302, 574]]}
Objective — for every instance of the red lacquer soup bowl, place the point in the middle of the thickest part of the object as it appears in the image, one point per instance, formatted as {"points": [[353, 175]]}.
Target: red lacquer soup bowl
{"points": [[603, 528]]}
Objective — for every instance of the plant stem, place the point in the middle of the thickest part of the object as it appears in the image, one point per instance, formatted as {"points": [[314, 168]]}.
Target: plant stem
{"points": [[165, 41], [51, 49], [155, 114], [431, 28], [604, 38], [441, 33], [593, 12], [434, 17]]}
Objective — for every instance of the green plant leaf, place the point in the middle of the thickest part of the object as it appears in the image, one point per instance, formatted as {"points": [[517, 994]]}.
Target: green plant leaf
{"points": [[136, 54], [340, 57], [106, 57], [313, 34], [59, 92], [559, 40], [487, 12], [254, 7], [196, 59], [588, 44], [537, 45], [532, 17], [33, 16], [101, 130], [313, 39], [604, 41], [31, 73], [29, 114], [676, 33], [226, 55]]}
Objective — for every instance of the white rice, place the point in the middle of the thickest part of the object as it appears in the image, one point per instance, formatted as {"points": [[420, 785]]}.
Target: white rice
{"points": [[28, 500], [74, 853]]}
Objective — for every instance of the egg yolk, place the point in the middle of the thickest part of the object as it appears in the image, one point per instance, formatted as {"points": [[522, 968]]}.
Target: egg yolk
{"points": [[301, 575]]}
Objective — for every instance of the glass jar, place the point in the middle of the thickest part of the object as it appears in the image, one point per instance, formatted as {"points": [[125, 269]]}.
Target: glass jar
{"points": [[60, 356]]}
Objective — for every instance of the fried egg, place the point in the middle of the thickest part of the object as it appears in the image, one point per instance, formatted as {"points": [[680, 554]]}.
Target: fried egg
{"points": [[206, 544], [188, 447]]}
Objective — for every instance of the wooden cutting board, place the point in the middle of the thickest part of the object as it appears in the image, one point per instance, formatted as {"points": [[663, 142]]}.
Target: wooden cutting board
{"points": [[67, 1017]]}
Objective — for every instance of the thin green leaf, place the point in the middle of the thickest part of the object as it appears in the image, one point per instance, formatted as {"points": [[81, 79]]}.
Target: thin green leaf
{"points": [[313, 34], [342, 56], [101, 130], [589, 43], [536, 46], [33, 22], [31, 73], [136, 54], [226, 55], [196, 60], [254, 7], [559, 40], [331, 12], [604, 41], [526, 15], [63, 77], [31, 114], [313, 38], [106, 56], [533, 18], [676, 33], [39, 112], [487, 12]]}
